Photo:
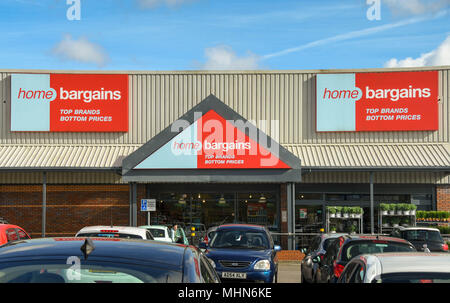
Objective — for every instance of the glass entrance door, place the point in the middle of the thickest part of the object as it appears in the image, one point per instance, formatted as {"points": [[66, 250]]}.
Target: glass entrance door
{"points": [[212, 208]]}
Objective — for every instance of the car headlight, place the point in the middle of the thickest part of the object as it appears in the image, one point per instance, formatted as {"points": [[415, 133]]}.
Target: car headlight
{"points": [[262, 265], [213, 264]]}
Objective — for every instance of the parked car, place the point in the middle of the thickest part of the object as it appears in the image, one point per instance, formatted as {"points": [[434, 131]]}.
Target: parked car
{"points": [[9, 233], [159, 232], [402, 267], [422, 237], [102, 260], [344, 248], [243, 252], [126, 232], [318, 247], [209, 234]]}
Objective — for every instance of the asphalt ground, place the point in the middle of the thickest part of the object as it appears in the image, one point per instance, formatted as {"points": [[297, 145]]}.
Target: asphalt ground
{"points": [[289, 272]]}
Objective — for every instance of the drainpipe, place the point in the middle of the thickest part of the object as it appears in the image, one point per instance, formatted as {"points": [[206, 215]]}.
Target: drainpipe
{"points": [[372, 218], [44, 202]]}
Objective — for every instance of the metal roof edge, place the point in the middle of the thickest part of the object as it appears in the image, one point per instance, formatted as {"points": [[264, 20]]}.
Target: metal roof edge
{"points": [[194, 72]]}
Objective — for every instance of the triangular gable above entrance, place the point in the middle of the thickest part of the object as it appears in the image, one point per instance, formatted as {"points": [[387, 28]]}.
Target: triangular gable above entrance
{"points": [[210, 140]]}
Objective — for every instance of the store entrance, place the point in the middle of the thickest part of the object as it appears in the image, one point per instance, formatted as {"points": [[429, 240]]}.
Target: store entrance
{"points": [[204, 206]]}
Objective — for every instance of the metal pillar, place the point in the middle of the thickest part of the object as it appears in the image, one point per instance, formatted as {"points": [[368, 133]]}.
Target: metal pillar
{"points": [[291, 214], [372, 212], [44, 202], [133, 204]]}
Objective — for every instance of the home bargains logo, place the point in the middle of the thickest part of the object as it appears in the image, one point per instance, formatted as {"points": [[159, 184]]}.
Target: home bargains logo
{"points": [[212, 142], [69, 103], [395, 101]]}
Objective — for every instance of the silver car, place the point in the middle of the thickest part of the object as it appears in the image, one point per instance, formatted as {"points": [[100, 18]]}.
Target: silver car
{"points": [[408, 267]]}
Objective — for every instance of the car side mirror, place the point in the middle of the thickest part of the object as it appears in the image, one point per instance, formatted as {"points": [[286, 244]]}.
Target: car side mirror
{"points": [[203, 245], [277, 248]]}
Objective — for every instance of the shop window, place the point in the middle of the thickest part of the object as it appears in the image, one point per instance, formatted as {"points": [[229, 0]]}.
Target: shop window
{"points": [[309, 196]]}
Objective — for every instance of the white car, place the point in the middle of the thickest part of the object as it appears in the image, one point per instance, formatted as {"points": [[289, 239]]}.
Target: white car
{"points": [[126, 232], [159, 232], [398, 267]]}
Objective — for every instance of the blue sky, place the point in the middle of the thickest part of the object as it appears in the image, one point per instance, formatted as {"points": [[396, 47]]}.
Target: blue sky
{"points": [[219, 34]]}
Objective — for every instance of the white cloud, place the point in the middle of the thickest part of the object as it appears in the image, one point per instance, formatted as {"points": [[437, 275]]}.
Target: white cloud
{"points": [[80, 50], [156, 3], [416, 7], [222, 57], [438, 57]]}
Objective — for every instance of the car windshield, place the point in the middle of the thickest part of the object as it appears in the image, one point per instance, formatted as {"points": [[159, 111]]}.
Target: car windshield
{"points": [[413, 278], [156, 232], [246, 239], [422, 235], [83, 272], [110, 235], [355, 248]]}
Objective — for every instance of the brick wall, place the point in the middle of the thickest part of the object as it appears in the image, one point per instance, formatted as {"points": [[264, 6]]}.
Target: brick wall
{"points": [[443, 197], [69, 207]]}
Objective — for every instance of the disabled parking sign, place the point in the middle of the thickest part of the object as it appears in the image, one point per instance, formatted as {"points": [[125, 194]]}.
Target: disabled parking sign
{"points": [[148, 204]]}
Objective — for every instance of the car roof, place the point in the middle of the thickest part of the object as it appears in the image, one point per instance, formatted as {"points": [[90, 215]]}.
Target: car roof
{"points": [[411, 262], [7, 225], [139, 250], [241, 227], [154, 226], [330, 235], [121, 229], [374, 237], [419, 228]]}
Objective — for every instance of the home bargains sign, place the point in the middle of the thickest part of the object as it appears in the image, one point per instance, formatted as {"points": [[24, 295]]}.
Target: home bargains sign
{"points": [[394, 101], [69, 103], [212, 142]]}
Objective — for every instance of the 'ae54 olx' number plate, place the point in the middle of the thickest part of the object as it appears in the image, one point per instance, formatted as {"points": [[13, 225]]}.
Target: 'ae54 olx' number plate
{"points": [[234, 275]]}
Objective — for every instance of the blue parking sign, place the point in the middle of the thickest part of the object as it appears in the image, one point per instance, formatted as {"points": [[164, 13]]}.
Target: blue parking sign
{"points": [[144, 205]]}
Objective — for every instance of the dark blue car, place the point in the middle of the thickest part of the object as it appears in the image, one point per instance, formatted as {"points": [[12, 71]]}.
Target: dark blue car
{"points": [[242, 252], [102, 260]]}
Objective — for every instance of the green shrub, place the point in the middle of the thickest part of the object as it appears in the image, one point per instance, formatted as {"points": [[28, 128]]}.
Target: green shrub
{"points": [[384, 207], [331, 209]]}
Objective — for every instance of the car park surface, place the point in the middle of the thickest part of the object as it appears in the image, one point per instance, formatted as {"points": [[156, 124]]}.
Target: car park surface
{"points": [[403, 267], [422, 237], [125, 232], [344, 248], [243, 252], [318, 248], [102, 260], [10, 232]]}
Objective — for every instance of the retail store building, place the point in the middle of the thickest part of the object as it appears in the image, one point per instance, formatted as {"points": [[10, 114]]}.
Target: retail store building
{"points": [[83, 148]]}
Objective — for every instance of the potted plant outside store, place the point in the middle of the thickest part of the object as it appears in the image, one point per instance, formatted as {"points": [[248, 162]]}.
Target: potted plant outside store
{"points": [[359, 212], [338, 211], [345, 211], [412, 209], [405, 209], [333, 229], [395, 222], [398, 209], [332, 211], [391, 209], [384, 209]]}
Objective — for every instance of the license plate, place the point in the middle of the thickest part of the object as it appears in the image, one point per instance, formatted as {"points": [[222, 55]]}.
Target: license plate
{"points": [[234, 275]]}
